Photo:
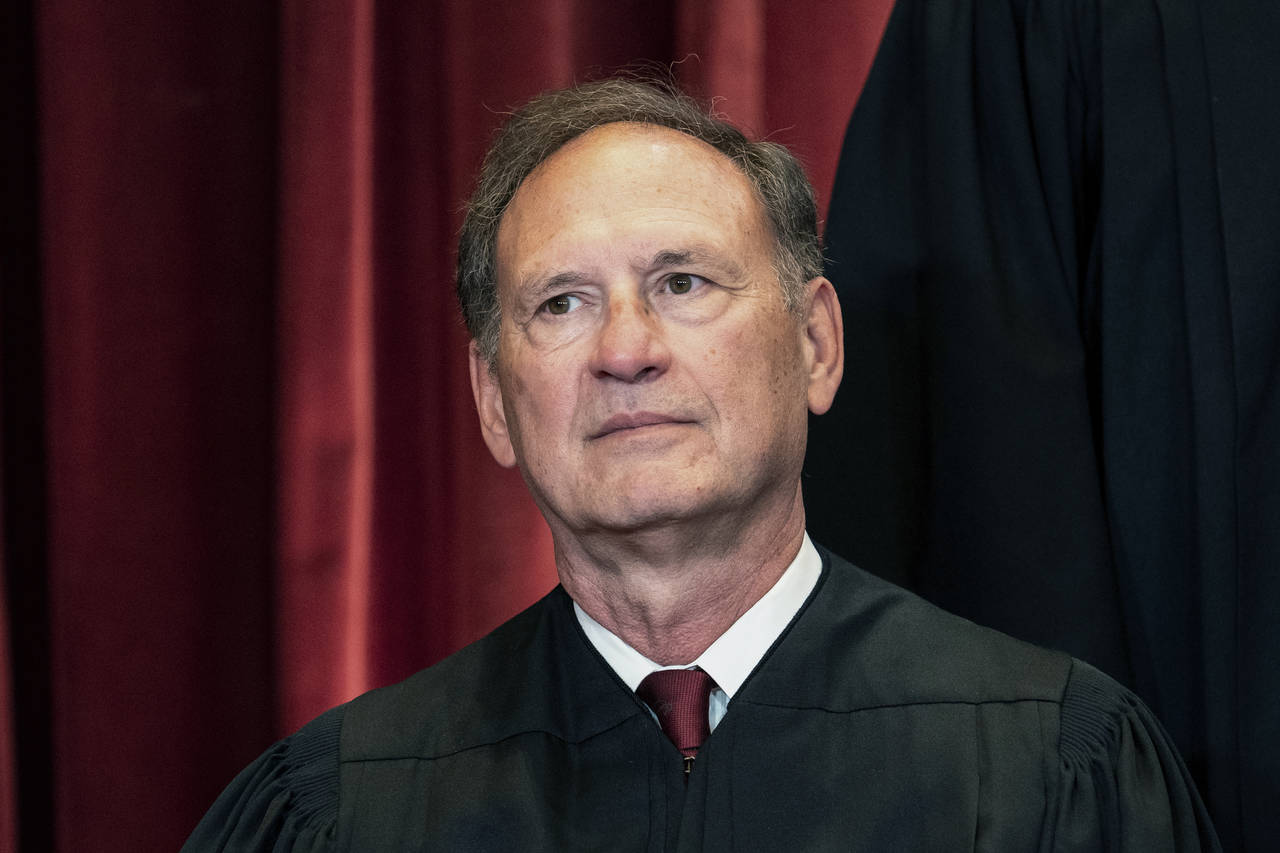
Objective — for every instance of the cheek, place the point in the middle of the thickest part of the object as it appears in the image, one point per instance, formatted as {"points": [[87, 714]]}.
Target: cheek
{"points": [[516, 388], [784, 399], [787, 350], [540, 408], [769, 351], [745, 375]]}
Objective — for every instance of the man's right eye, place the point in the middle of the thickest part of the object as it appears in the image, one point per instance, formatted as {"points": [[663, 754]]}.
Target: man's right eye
{"points": [[562, 304]]}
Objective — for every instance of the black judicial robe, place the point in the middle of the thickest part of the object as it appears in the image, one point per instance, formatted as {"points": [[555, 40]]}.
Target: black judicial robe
{"points": [[1055, 233], [877, 722]]}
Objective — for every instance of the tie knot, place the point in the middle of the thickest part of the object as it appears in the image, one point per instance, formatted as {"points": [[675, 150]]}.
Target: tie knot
{"points": [[679, 698]]}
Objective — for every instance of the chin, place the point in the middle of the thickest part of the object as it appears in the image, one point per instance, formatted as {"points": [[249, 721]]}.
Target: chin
{"points": [[631, 519], [635, 512]]}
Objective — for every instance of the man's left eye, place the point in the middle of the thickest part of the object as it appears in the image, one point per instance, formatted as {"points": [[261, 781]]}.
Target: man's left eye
{"points": [[682, 282]]}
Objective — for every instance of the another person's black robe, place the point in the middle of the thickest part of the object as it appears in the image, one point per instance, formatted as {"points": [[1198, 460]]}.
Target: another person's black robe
{"points": [[1055, 233], [876, 722]]}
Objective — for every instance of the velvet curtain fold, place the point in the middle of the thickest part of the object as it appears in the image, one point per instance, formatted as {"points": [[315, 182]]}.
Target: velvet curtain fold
{"points": [[243, 478]]}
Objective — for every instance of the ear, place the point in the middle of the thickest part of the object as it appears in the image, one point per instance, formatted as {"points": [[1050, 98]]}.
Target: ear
{"points": [[493, 419], [823, 344]]}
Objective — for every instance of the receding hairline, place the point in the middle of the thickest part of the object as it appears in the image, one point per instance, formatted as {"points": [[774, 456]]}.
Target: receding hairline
{"points": [[628, 126], [759, 209], [633, 128]]}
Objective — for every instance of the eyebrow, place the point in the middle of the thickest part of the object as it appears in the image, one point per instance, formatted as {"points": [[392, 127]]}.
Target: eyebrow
{"points": [[696, 256], [535, 287], [538, 286]]}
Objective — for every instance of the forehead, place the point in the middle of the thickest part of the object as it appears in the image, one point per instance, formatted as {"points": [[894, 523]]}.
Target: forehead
{"points": [[627, 181]]}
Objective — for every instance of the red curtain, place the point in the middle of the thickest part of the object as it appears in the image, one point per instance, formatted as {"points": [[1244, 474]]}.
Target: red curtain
{"points": [[256, 479]]}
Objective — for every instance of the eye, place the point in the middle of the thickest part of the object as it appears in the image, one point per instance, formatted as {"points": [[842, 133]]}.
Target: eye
{"points": [[562, 304], [683, 282]]}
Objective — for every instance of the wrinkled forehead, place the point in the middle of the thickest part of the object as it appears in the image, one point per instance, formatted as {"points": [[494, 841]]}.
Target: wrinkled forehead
{"points": [[624, 168]]}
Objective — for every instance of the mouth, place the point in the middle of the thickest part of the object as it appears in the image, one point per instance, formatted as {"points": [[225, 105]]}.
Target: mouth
{"points": [[632, 421]]}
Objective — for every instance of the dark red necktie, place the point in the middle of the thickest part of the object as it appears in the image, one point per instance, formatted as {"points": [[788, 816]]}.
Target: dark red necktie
{"points": [[679, 698]]}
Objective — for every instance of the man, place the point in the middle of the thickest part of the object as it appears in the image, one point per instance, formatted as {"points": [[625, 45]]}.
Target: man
{"points": [[651, 329]]}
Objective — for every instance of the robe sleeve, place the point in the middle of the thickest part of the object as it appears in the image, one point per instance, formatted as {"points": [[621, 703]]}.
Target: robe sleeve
{"points": [[1123, 786], [286, 800]]}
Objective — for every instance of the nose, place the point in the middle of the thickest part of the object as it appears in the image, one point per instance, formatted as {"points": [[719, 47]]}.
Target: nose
{"points": [[630, 345]]}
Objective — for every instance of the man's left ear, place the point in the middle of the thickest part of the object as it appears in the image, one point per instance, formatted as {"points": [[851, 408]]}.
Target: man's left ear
{"points": [[823, 343]]}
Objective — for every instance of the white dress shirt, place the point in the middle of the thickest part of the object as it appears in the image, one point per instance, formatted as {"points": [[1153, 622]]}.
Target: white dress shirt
{"points": [[735, 653]]}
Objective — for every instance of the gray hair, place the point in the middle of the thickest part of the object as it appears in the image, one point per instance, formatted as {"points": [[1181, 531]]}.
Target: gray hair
{"points": [[552, 119]]}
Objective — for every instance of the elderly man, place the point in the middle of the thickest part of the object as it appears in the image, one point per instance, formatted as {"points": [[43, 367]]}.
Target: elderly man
{"points": [[651, 329]]}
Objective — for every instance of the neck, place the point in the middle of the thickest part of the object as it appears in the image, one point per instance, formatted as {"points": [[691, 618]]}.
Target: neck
{"points": [[669, 593]]}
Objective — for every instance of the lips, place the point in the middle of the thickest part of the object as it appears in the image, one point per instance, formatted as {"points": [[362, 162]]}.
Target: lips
{"points": [[635, 420]]}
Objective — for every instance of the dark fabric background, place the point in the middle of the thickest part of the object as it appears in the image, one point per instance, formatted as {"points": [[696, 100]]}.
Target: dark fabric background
{"points": [[1054, 236], [242, 475]]}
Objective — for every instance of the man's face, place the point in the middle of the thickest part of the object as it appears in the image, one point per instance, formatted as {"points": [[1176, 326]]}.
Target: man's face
{"points": [[648, 371]]}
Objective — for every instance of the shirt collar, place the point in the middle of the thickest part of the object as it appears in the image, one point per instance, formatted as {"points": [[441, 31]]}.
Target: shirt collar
{"points": [[735, 653]]}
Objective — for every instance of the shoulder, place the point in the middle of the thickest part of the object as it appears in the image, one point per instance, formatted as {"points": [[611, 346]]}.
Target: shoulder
{"points": [[1099, 720], [1111, 775], [289, 795], [927, 654], [467, 685], [1054, 747], [508, 683], [892, 647], [1121, 781]]}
